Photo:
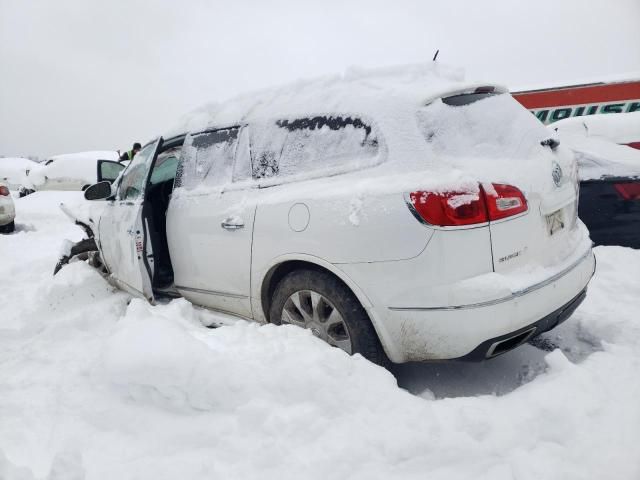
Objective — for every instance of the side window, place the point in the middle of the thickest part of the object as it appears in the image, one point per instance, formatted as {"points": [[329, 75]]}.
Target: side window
{"points": [[207, 158], [165, 167], [133, 180], [304, 145], [109, 170]]}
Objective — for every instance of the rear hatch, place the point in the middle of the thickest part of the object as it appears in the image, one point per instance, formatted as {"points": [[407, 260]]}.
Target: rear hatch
{"points": [[528, 179]]}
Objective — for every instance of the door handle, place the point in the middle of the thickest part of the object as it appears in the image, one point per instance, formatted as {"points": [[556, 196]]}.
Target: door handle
{"points": [[232, 223]]}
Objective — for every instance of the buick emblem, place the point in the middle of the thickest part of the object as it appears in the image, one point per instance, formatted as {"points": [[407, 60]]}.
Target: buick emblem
{"points": [[556, 174]]}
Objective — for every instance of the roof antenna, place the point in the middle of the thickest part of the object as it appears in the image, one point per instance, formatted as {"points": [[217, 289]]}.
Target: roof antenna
{"points": [[436, 55]]}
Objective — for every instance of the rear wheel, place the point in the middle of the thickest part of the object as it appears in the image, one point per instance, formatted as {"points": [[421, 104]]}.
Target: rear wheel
{"points": [[321, 303], [8, 228]]}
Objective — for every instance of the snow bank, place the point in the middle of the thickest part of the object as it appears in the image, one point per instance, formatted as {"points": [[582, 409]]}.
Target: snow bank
{"points": [[96, 386]]}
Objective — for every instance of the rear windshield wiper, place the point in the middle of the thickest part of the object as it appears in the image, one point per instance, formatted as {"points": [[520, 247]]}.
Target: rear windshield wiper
{"points": [[552, 143]]}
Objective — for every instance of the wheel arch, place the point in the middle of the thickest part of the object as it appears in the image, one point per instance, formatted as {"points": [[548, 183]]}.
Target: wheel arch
{"points": [[287, 265]]}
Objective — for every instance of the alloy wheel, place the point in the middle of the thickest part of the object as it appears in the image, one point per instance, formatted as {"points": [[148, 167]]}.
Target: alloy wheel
{"points": [[309, 309]]}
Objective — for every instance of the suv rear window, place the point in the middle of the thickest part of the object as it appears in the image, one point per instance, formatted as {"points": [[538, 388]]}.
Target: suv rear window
{"points": [[303, 146], [466, 98], [481, 125]]}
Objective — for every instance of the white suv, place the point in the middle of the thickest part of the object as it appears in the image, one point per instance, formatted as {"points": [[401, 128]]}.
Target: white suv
{"points": [[406, 218]]}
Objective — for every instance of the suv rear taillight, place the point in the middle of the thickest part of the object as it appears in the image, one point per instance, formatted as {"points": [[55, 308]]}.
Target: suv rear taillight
{"points": [[450, 208], [4, 191], [505, 201], [453, 209], [628, 190]]}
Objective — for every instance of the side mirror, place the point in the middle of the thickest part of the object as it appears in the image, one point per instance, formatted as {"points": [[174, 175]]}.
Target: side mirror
{"points": [[98, 191], [108, 170]]}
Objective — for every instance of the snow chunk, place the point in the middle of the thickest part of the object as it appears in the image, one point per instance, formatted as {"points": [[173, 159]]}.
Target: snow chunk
{"points": [[160, 355]]}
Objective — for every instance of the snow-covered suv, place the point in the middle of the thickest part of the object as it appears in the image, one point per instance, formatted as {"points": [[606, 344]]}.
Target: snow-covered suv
{"points": [[401, 215]]}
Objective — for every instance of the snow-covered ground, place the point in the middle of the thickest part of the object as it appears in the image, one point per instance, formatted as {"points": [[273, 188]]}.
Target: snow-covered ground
{"points": [[94, 385]]}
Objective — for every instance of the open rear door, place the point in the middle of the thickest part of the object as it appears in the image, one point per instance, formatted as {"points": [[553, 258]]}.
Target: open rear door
{"points": [[124, 230]]}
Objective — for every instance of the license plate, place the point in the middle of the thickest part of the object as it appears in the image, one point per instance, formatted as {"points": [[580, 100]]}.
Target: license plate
{"points": [[555, 222]]}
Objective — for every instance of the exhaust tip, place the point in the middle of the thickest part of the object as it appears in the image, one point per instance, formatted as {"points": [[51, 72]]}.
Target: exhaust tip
{"points": [[503, 346]]}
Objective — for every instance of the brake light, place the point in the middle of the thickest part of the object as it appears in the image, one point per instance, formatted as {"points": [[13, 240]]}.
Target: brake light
{"points": [[628, 191], [4, 191], [505, 201], [451, 209]]}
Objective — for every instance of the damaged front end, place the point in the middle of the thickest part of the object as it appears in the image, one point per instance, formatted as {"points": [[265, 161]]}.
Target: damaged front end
{"points": [[84, 250]]}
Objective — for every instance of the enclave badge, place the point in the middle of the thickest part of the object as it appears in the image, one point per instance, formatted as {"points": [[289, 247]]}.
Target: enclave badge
{"points": [[556, 173]]}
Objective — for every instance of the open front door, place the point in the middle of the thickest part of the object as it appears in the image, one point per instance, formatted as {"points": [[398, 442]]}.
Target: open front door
{"points": [[124, 233]]}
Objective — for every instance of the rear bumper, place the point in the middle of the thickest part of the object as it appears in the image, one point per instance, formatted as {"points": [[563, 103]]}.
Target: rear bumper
{"points": [[482, 329], [502, 344]]}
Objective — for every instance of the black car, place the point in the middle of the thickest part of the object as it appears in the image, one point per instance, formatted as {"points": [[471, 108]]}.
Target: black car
{"points": [[610, 208], [607, 149]]}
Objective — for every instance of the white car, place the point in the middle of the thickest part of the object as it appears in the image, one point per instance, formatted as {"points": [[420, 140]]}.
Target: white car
{"points": [[7, 210], [13, 171], [405, 216], [72, 171]]}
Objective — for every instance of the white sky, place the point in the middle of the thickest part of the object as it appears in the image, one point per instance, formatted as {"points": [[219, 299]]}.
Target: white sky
{"points": [[94, 75]]}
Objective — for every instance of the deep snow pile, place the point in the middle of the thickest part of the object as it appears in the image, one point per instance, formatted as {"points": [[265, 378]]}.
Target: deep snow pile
{"points": [[95, 386]]}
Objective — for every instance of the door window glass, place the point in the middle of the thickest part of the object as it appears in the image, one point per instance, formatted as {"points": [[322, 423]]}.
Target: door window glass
{"points": [[207, 158], [133, 180], [165, 167], [242, 167], [109, 170], [306, 145]]}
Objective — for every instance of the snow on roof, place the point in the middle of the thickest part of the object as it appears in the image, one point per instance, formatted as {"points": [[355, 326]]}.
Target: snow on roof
{"points": [[70, 166], [382, 92], [595, 140], [16, 161], [599, 158], [90, 155], [12, 170], [618, 127]]}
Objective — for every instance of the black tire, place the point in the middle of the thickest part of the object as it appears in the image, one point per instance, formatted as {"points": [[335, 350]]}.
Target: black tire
{"points": [[363, 337], [8, 228]]}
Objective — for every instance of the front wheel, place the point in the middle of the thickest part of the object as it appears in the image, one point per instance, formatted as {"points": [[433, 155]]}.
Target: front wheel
{"points": [[80, 250], [321, 303]]}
